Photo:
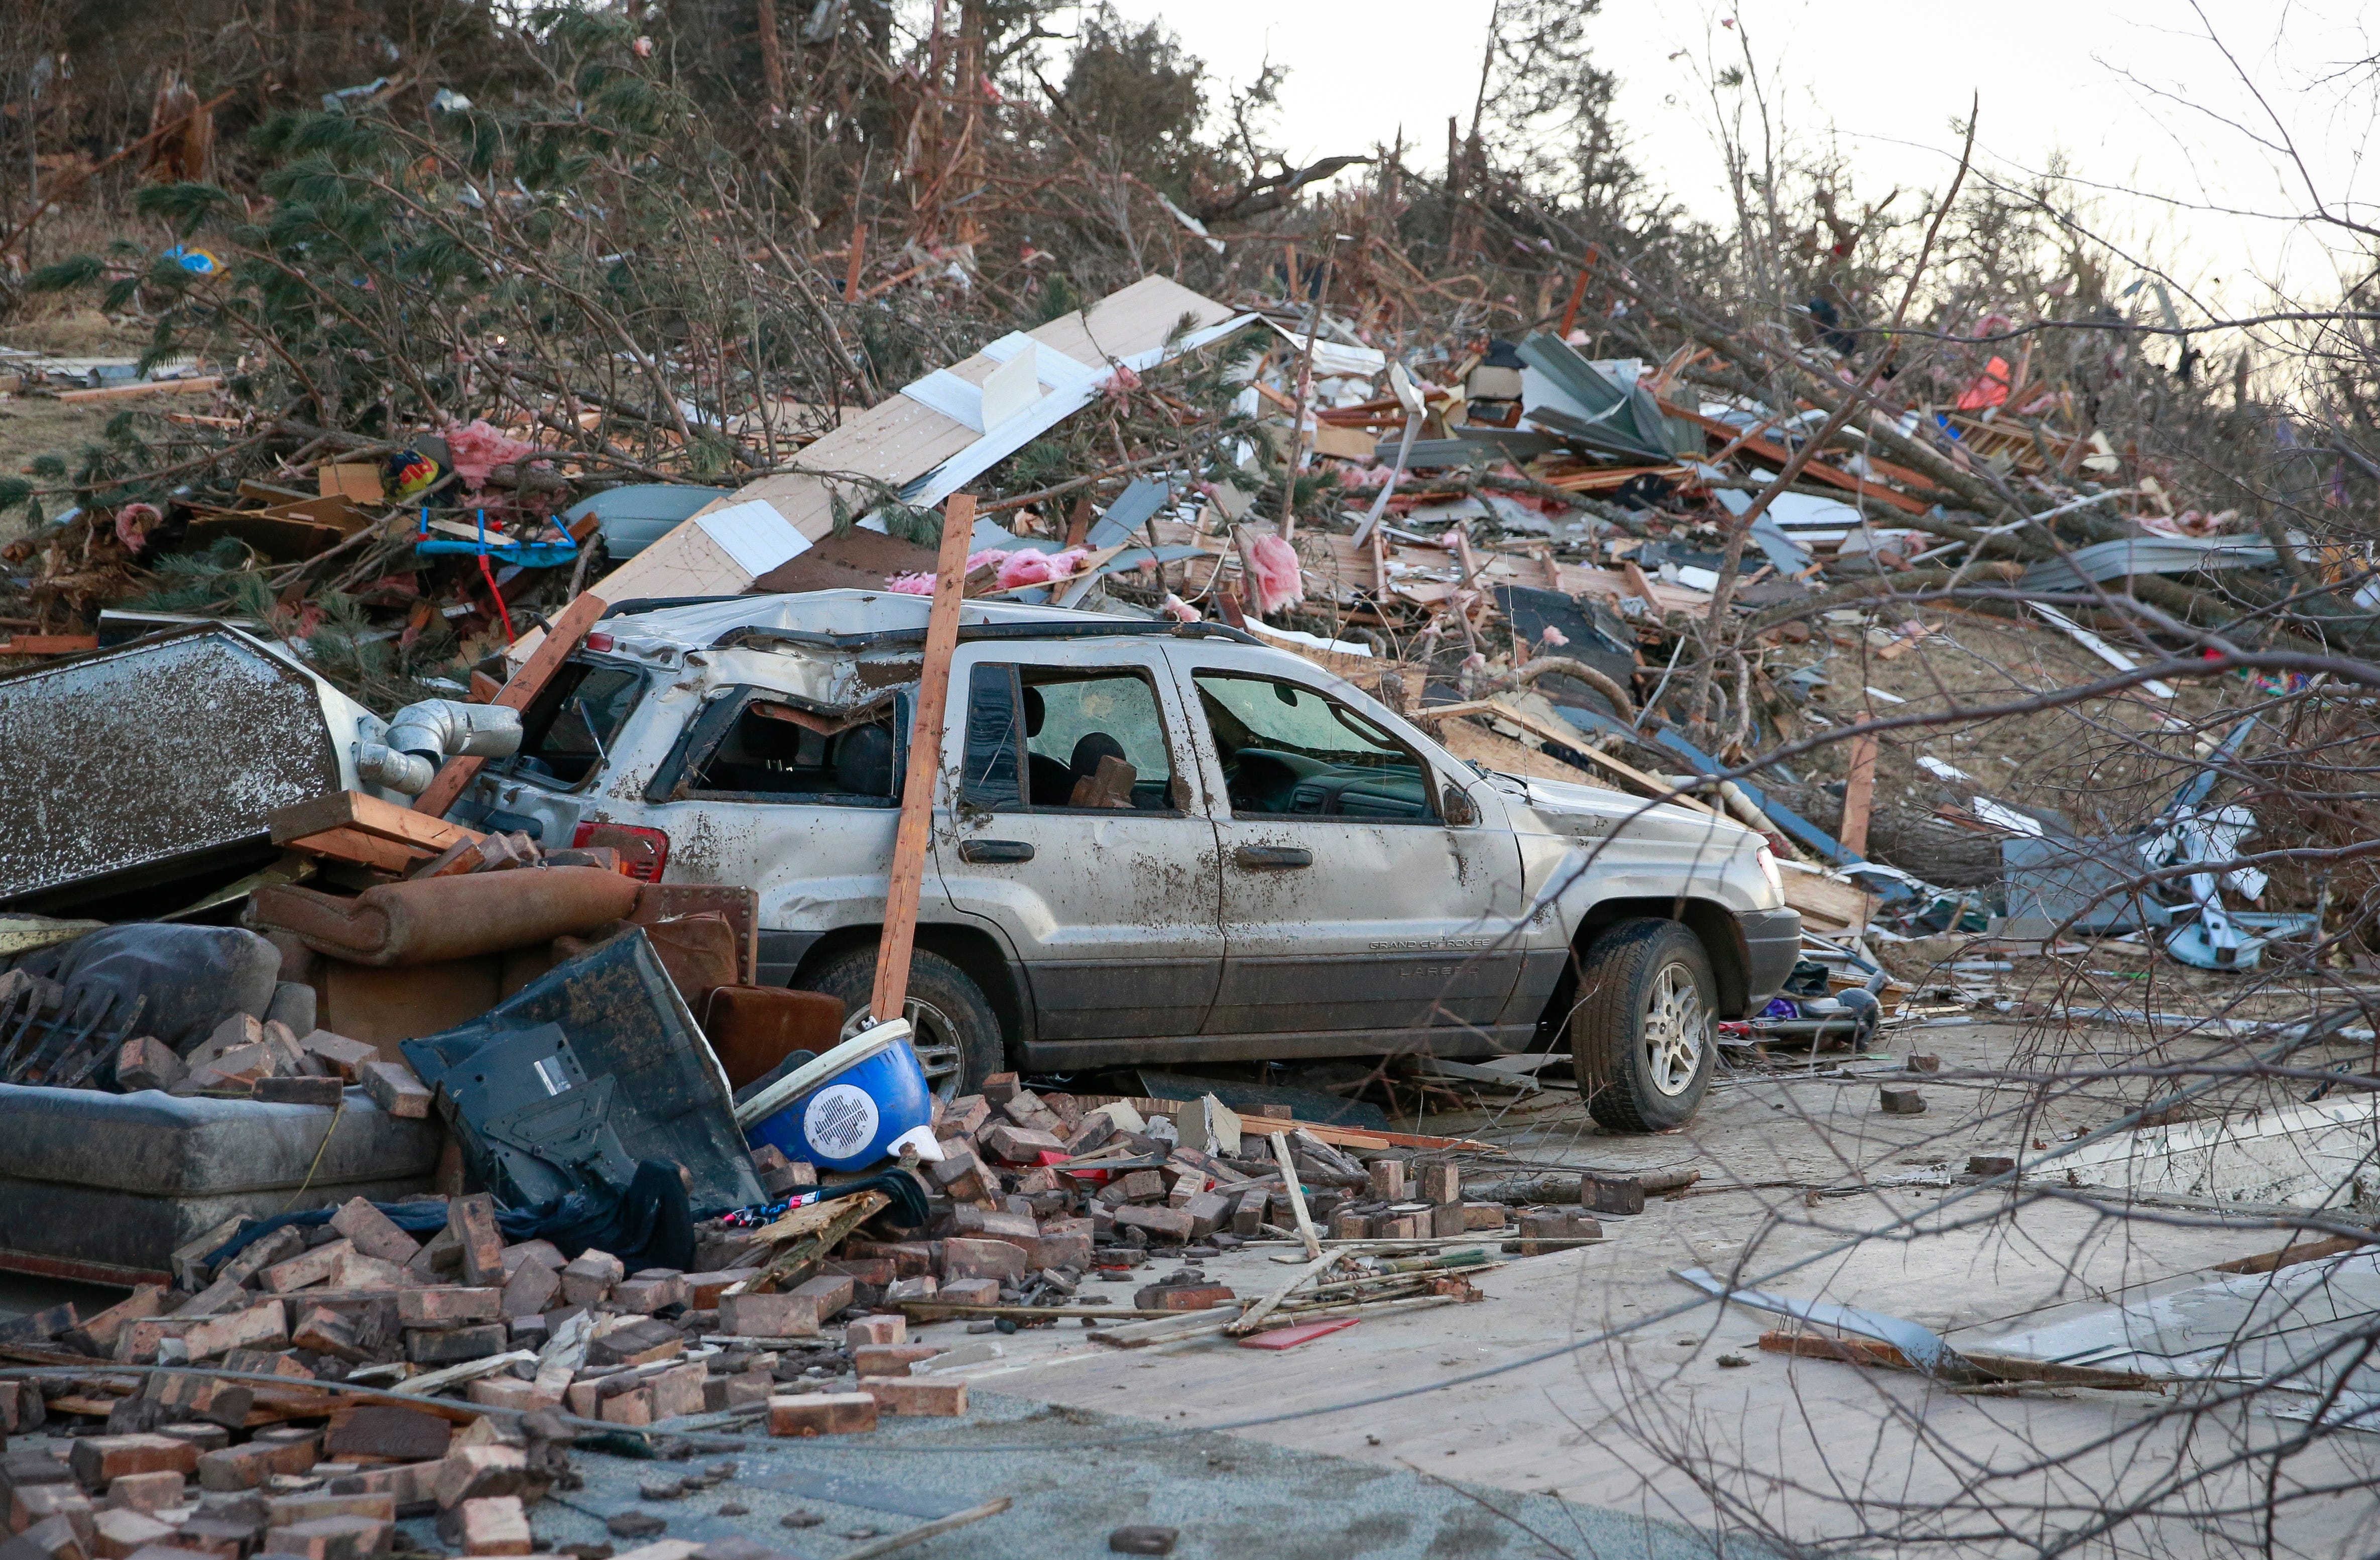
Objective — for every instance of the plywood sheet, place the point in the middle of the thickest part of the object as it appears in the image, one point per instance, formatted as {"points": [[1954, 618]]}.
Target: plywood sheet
{"points": [[894, 444]]}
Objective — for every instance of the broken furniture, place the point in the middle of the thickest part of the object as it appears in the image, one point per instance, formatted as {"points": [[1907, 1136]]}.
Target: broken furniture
{"points": [[622, 1074], [104, 1188], [431, 919]]}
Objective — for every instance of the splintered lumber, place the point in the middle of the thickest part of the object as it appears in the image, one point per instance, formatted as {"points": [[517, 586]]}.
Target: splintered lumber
{"points": [[1254, 1317], [1827, 904], [804, 1236], [1851, 1351], [2296, 1251], [1777, 454], [145, 387], [2006, 1368], [354, 812], [363, 850], [48, 644], [1859, 795], [1282, 1157]]}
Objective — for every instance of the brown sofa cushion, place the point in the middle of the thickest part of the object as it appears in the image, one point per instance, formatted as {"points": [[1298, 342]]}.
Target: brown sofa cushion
{"points": [[437, 918], [701, 953], [751, 1029]]}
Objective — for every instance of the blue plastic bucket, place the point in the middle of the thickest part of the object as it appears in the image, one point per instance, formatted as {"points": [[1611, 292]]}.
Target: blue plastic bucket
{"points": [[861, 1103]]}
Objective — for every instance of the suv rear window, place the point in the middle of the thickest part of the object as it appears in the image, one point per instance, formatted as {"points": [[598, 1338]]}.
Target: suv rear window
{"points": [[1069, 721], [571, 727]]}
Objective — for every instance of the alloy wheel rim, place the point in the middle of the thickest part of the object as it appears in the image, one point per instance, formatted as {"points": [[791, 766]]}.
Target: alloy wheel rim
{"points": [[1676, 1030], [935, 1040]]}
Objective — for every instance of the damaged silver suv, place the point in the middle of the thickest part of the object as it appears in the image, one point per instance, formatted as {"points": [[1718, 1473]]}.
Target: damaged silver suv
{"points": [[1152, 842]]}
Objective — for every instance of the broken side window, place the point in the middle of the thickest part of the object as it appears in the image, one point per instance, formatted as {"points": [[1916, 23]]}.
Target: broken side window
{"points": [[987, 771], [764, 747], [1045, 738], [571, 724], [1290, 752]]}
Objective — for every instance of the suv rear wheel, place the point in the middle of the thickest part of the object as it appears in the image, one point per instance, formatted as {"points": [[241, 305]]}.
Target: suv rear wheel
{"points": [[952, 1028], [1642, 1037]]}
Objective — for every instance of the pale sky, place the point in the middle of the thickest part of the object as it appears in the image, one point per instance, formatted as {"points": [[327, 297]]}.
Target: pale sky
{"points": [[2131, 90]]}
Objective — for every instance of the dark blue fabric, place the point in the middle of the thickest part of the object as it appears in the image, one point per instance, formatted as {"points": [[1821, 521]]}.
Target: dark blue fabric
{"points": [[649, 1224]]}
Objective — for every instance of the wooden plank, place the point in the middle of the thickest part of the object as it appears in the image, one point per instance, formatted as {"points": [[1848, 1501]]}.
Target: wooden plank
{"points": [[353, 845], [48, 644], [1851, 1351], [1287, 1161], [809, 1219], [367, 815], [146, 387], [2295, 1252], [897, 441], [1859, 796], [909, 842], [359, 481], [569, 630], [1777, 454], [1827, 904], [799, 1260]]}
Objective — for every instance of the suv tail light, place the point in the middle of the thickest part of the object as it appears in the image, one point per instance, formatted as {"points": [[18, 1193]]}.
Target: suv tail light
{"points": [[644, 852]]}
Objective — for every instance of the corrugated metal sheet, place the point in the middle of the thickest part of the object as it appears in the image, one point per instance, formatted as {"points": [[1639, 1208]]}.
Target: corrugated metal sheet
{"points": [[2104, 561]]}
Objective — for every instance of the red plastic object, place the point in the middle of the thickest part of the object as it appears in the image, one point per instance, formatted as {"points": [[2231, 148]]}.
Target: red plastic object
{"points": [[643, 871], [1290, 1337]]}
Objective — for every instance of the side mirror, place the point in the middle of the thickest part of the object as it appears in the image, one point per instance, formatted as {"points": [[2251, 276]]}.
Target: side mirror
{"points": [[1460, 809]]}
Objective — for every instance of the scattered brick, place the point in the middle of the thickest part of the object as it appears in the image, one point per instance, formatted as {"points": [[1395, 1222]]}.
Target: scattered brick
{"points": [[981, 1259], [495, 1525], [822, 1413], [876, 1330], [768, 1316], [924, 1397], [590, 1277], [891, 1359], [393, 1087], [97, 1460], [335, 1538], [472, 1222], [373, 1233]]}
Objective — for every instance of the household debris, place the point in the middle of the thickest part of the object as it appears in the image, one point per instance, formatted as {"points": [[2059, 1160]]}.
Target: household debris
{"points": [[1924, 604]]}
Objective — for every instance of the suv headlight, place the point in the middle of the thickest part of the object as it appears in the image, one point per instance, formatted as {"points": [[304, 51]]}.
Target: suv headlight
{"points": [[1767, 861]]}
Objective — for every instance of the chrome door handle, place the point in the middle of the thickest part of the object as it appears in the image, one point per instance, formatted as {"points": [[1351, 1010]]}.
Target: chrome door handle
{"points": [[982, 850], [1259, 856]]}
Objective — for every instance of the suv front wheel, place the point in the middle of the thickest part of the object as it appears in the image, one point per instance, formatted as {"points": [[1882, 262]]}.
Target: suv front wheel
{"points": [[1642, 1040], [952, 1027]]}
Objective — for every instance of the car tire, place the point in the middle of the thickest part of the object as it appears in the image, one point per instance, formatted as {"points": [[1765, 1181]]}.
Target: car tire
{"points": [[955, 1032], [1643, 1039]]}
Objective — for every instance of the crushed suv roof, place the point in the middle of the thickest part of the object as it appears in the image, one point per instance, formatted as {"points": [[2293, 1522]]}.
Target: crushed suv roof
{"points": [[837, 614]]}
